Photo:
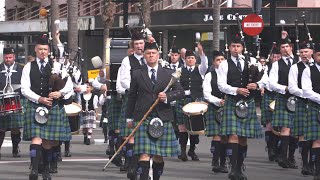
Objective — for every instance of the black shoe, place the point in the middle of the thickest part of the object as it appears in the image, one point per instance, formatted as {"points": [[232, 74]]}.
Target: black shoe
{"points": [[46, 175], [306, 171], [283, 163], [85, 139], [233, 175], [117, 161], [292, 164], [271, 154], [110, 151], [16, 153], [53, 167], [193, 156], [67, 154], [223, 169], [88, 141], [215, 165], [242, 176], [33, 175], [40, 169], [183, 156]]}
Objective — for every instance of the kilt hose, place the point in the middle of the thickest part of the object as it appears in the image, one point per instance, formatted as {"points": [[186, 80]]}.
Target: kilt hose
{"points": [[114, 112], [300, 117], [233, 125], [281, 116], [213, 127], [124, 130], [165, 146], [57, 128], [88, 119], [266, 114], [312, 125]]}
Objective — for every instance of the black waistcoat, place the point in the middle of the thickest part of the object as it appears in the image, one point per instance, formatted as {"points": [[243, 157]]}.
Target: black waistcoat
{"points": [[192, 81], [90, 103], [134, 63], [315, 78], [40, 81], [214, 85], [269, 67], [15, 77], [283, 71], [301, 67]]}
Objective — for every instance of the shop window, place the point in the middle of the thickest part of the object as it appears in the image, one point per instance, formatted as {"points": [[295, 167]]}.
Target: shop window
{"points": [[21, 13], [86, 8], [10, 14], [63, 10], [35, 12], [96, 6]]}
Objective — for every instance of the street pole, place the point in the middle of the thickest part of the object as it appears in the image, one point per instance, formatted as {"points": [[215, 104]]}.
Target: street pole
{"points": [[273, 19]]}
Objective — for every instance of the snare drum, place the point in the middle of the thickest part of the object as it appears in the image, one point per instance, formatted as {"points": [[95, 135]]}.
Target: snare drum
{"points": [[10, 103], [195, 124], [73, 112]]}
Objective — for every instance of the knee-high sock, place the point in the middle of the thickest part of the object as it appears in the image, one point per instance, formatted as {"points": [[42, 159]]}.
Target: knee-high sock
{"points": [[15, 141], [304, 151], [143, 170], [284, 147], [223, 154], [35, 156], [233, 152], [183, 138], [215, 150], [194, 139], [67, 146], [316, 158], [242, 155], [157, 170], [293, 144]]}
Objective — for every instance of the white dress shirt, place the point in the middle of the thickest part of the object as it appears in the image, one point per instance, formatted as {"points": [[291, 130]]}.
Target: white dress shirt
{"points": [[119, 88], [307, 85], [95, 100], [126, 69], [293, 81], [150, 72], [274, 85], [207, 90], [203, 66], [176, 66]]}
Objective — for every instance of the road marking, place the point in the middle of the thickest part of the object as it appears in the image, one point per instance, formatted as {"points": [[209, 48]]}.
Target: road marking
{"points": [[7, 143], [63, 160]]}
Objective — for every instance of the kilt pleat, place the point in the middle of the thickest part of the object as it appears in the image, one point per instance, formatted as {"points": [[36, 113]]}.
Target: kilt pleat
{"points": [[57, 128], [124, 130], [165, 146], [88, 119], [266, 114], [281, 116], [212, 128], [312, 127], [300, 118], [233, 125], [114, 112]]}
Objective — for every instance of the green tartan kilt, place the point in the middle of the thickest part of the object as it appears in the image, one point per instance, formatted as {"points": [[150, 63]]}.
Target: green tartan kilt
{"points": [[13, 120], [212, 128], [266, 114], [233, 125], [312, 127], [300, 118], [124, 130], [57, 128], [165, 146], [114, 112], [281, 116]]}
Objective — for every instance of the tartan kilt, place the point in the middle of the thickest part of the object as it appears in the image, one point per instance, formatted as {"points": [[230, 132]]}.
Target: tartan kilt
{"points": [[88, 119], [124, 130], [300, 117], [165, 146], [212, 128], [246, 127], [281, 116], [266, 114], [312, 126], [114, 112], [57, 128]]}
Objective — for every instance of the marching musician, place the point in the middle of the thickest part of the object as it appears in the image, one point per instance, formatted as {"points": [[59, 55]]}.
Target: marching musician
{"points": [[301, 109], [13, 121], [44, 131], [310, 82], [183, 54], [146, 86], [192, 76], [214, 96], [282, 116], [238, 125]]}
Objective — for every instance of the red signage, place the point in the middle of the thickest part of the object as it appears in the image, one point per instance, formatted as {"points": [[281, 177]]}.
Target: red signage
{"points": [[252, 25]]}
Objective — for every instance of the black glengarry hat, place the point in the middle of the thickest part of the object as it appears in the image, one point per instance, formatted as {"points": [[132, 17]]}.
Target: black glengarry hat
{"points": [[8, 50], [150, 45], [43, 40], [216, 54], [189, 53]]}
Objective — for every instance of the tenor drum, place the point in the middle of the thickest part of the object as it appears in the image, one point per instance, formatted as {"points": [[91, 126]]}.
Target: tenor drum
{"points": [[195, 124], [10, 103], [73, 112]]}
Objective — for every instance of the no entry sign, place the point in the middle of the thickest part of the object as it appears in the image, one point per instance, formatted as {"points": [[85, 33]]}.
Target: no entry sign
{"points": [[252, 25]]}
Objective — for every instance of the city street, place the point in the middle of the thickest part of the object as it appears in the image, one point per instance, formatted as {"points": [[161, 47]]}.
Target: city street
{"points": [[87, 163]]}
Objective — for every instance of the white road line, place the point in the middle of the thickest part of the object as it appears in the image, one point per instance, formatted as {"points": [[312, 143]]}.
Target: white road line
{"points": [[7, 143]]}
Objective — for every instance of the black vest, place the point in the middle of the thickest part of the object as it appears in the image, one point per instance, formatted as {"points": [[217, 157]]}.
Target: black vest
{"points": [[134, 63], [192, 81], [15, 77], [90, 103], [40, 81], [301, 67], [214, 86], [315, 78], [269, 67], [283, 71]]}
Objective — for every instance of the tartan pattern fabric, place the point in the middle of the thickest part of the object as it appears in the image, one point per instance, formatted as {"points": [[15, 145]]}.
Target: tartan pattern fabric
{"points": [[300, 118], [246, 127], [114, 112], [180, 116], [124, 130], [281, 116], [165, 146], [57, 128], [266, 114], [88, 119], [212, 128], [312, 126]]}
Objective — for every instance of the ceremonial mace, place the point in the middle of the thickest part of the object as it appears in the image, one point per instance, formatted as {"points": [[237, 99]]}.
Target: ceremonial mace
{"points": [[175, 76]]}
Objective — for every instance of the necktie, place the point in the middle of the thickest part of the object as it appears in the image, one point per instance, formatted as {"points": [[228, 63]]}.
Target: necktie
{"points": [[190, 70], [42, 66], [174, 67], [289, 62], [239, 65], [153, 76], [141, 61]]}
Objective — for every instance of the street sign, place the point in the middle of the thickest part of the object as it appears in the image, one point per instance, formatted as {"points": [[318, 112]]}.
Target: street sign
{"points": [[252, 25]]}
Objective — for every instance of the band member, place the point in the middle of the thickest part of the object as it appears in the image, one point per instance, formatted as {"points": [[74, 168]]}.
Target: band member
{"points": [[282, 116], [89, 103], [301, 109], [43, 134], [310, 82], [12, 121], [213, 95], [146, 86], [266, 113], [103, 101], [233, 80], [183, 54], [191, 79]]}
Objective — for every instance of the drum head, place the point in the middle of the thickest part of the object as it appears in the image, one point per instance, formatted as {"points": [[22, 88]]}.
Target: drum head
{"points": [[195, 108], [155, 128], [219, 114], [291, 103], [242, 109], [72, 109], [41, 115]]}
